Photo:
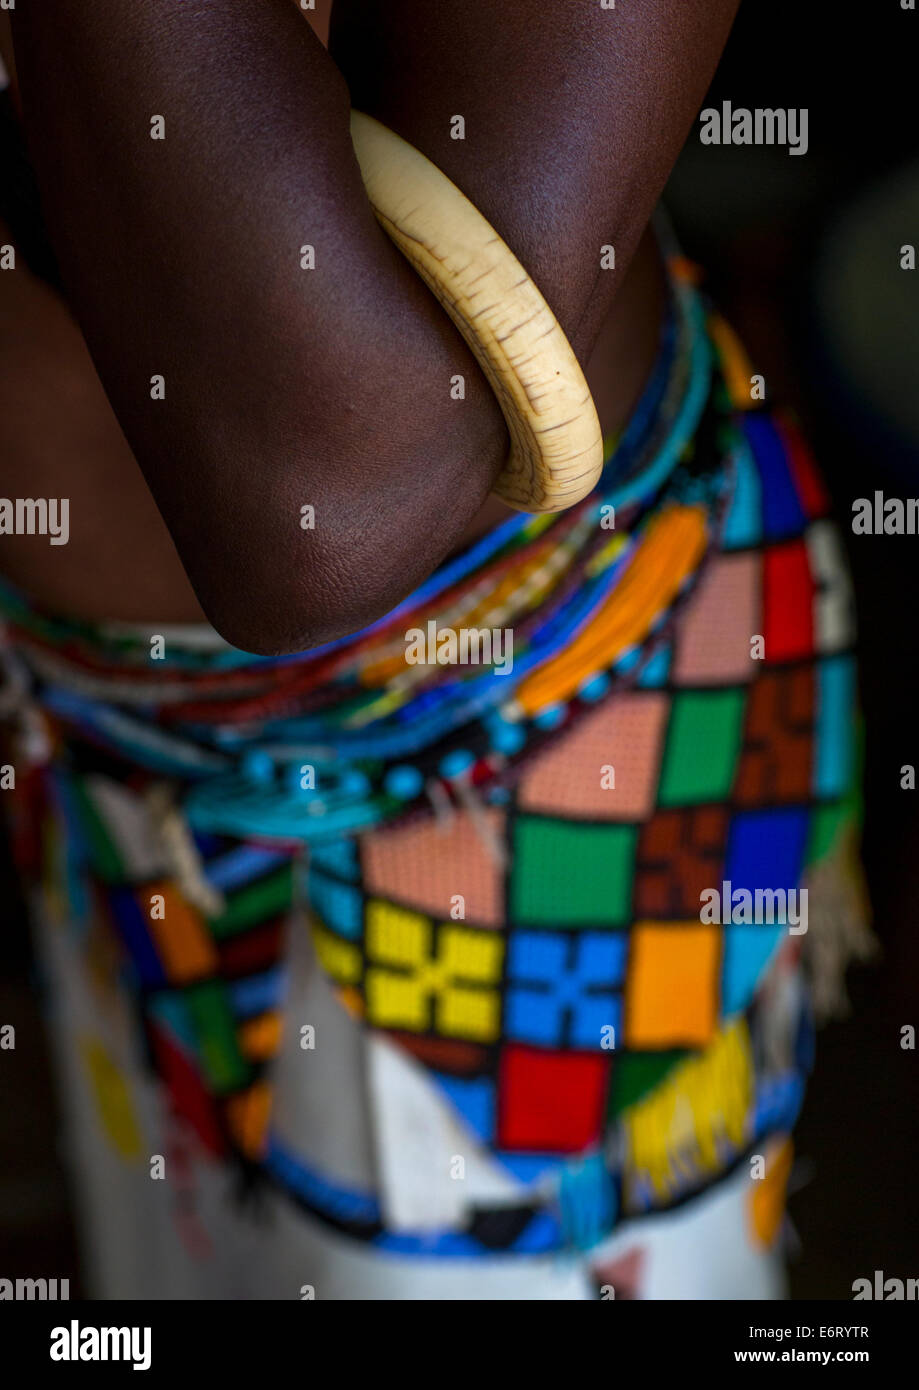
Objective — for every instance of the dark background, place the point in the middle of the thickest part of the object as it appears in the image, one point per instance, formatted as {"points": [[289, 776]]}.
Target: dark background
{"points": [[793, 247]]}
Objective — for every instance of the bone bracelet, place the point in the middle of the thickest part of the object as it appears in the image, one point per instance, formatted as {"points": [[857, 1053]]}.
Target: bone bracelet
{"points": [[556, 453]]}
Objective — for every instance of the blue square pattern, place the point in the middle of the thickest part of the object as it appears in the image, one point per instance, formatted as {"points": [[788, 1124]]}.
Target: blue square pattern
{"points": [[336, 857], [134, 931], [766, 848], [530, 1168], [742, 524], [336, 904], [170, 1011], [474, 1100], [834, 763], [561, 987], [241, 865], [747, 952], [257, 993], [783, 514]]}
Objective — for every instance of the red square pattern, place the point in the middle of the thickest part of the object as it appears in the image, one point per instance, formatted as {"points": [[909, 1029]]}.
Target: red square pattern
{"points": [[788, 592], [550, 1101]]}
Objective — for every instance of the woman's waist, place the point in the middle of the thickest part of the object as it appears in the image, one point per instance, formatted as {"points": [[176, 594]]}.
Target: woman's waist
{"points": [[497, 652]]}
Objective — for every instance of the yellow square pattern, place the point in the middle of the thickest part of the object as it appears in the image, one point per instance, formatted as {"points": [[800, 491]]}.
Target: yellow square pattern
{"points": [[396, 1001], [338, 958], [408, 973], [469, 1013], [396, 935], [471, 955]]}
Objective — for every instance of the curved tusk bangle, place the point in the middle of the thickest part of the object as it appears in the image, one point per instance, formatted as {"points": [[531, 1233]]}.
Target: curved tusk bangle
{"points": [[556, 451]]}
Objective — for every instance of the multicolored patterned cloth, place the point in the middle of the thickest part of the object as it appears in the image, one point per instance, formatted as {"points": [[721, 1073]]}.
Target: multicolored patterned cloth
{"points": [[503, 881]]}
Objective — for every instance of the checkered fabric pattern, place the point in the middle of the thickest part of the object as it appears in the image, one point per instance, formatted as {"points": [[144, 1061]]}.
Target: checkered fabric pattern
{"points": [[562, 993], [580, 976]]}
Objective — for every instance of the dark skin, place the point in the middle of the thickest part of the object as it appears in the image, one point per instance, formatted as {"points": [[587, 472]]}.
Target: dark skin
{"points": [[181, 257]]}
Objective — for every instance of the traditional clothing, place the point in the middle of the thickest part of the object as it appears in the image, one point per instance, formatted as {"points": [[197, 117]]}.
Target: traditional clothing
{"points": [[397, 974]]}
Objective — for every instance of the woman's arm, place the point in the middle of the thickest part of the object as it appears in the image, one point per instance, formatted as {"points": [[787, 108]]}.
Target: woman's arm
{"points": [[330, 386], [574, 116], [283, 386]]}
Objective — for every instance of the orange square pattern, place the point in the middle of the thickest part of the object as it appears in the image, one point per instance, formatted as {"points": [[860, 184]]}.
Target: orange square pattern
{"points": [[672, 997]]}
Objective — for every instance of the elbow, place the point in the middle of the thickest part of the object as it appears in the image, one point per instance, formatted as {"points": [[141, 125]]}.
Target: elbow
{"points": [[287, 619], [283, 576], [276, 600], [282, 613]]}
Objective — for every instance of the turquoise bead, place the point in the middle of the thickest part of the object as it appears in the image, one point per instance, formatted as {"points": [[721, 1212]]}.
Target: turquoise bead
{"points": [[456, 763], [550, 717], [505, 737], [403, 782], [258, 767], [596, 687]]}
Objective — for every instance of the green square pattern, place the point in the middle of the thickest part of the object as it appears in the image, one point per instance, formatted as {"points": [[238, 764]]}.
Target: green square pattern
{"points": [[829, 823], [703, 743], [570, 875], [214, 1026], [826, 823], [637, 1073]]}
